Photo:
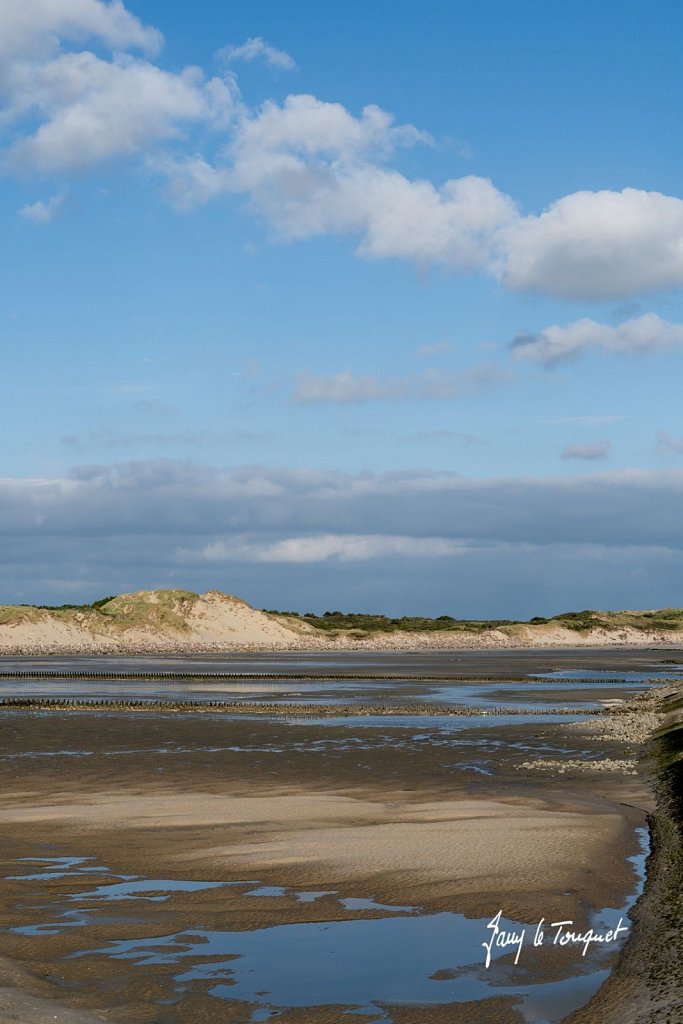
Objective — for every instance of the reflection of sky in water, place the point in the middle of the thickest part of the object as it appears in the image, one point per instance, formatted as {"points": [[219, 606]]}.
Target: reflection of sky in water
{"points": [[156, 890], [609, 675], [478, 694], [361, 963], [155, 689], [356, 963], [437, 723]]}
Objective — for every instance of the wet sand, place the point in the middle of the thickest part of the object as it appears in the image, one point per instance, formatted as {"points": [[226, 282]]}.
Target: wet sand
{"points": [[501, 664], [401, 816]]}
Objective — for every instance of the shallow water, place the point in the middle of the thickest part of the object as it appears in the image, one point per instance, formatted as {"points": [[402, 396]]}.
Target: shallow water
{"points": [[399, 955], [540, 688], [382, 954], [419, 723], [406, 957]]}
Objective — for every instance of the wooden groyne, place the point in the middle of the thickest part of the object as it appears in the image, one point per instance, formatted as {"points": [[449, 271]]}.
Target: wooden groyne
{"points": [[281, 709], [27, 675]]}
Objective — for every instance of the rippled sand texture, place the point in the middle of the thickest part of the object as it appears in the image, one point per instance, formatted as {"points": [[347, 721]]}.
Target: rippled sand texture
{"points": [[377, 821]]}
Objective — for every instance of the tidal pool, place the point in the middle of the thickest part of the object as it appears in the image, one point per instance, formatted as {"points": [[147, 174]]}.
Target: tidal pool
{"points": [[365, 964], [399, 955]]}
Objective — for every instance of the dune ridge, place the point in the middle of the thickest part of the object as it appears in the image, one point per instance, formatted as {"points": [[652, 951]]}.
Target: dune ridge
{"points": [[180, 621]]}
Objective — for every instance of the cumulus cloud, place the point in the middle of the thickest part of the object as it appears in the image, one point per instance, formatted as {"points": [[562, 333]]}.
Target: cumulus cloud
{"points": [[95, 110], [346, 387], [589, 452], [65, 109], [38, 27], [312, 168], [257, 48], [647, 333], [307, 167], [598, 245]]}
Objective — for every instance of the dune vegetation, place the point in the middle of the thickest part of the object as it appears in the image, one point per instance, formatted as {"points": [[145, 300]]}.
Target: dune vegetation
{"points": [[584, 621], [180, 619]]}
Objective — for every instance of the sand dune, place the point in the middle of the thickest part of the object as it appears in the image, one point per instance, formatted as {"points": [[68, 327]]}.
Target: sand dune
{"points": [[149, 620], [179, 621]]}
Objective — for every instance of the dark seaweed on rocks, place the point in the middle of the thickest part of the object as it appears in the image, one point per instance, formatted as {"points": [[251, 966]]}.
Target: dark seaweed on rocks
{"points": [[646, 986]]}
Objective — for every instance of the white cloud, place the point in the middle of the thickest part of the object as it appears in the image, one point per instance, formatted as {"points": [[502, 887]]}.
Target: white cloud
{"points": [[255, 48], [394, 217], [587, 451], [312, 168], [37, 27], [306, 166], [647, 333], [598, 245], [67, 109], [95, 110], [459, 225], [432, 385], [43, 211], [304, 127], [191, 180], [323, 547]]}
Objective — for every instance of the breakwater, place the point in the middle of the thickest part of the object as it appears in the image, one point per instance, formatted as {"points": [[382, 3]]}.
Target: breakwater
{"points": [[318, 710], [123, 676]]}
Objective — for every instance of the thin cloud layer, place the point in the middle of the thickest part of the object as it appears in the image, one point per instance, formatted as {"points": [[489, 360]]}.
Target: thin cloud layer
{"points": [[667, 444], [432, 542], [325, 547], [645, 334], [347, 388], [43, 211], [257, 48], [588, 452], [307, 167], [164, 495]]}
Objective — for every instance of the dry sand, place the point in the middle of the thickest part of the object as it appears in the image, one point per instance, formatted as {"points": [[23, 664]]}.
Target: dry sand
{"points": [[525, 845], [179, 622]]}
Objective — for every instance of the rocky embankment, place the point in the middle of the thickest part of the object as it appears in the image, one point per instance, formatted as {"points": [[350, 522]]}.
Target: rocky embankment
{"points": [[646, 986]]}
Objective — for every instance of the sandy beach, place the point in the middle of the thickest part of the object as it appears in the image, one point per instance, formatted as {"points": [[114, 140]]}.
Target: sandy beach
{"points": [[169, 622], [390, 816]]}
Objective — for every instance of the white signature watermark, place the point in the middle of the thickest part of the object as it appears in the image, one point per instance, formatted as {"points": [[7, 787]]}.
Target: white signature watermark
{"points": [[560, 933]]}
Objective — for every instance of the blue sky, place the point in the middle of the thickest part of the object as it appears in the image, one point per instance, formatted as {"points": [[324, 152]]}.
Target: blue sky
{"points": [[373, 306]]}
